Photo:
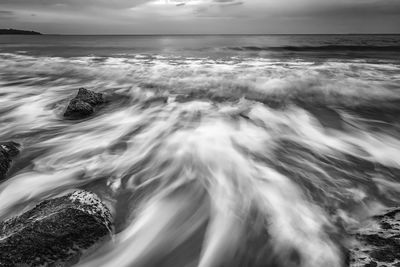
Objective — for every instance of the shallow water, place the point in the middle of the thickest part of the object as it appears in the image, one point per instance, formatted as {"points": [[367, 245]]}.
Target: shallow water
{"points": [[259, 157]]}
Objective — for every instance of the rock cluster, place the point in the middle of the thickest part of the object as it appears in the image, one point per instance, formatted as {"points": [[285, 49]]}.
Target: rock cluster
{"points": [[378, 243], [83, 104], [57, 232]]}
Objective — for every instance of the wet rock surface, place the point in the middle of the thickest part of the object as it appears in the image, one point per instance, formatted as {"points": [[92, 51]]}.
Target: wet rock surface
{"points": [[8, 150], [378, 243], [57, 232], [83, 105]]}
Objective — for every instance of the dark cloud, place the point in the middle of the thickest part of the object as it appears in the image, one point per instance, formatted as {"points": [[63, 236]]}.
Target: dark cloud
{"points": [[224, 3], [73, 4], [361, 10], [6, 14], [213, 9], [262, 16], [238, 3]]}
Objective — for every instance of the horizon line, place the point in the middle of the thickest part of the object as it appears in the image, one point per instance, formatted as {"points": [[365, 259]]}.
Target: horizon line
{"points": [[210, 34]]}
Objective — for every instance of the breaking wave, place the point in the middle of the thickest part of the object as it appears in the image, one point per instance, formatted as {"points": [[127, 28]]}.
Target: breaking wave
{"points": [[248, 162]]}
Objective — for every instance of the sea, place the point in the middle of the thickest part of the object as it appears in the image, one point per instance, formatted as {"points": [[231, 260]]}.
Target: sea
{"points": [[216, 150]]}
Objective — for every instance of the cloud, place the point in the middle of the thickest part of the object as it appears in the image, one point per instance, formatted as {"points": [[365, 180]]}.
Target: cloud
{"points": [[6, 14], [73, 3], [361, 9], [237, 3], [198, 16], [229, 3], [218, 8]]}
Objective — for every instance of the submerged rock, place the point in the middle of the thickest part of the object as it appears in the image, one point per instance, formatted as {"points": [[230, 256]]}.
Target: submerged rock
{"points": [[378, 243], [8, 150], [56, 232], [83, 104]]}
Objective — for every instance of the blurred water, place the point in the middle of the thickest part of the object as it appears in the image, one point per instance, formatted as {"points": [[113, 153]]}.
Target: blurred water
{"points": [[260, 157]]}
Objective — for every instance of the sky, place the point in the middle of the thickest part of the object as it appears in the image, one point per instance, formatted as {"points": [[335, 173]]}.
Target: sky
{"points": [[201, 16]]}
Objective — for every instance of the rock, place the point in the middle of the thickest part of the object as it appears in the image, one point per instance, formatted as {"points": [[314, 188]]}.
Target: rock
{"points": [[8, 150], [378, 243], [90, 97], [57, 232], [83, 104], [78, 108]]}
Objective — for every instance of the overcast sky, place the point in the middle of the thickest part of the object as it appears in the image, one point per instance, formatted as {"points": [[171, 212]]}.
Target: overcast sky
{"points": [[201, 16]]}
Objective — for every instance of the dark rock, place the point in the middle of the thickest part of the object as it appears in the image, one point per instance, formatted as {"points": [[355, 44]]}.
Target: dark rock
{"points": [[57, 232], [371, 264], [78, 108], [379, 241], [83, 104], [8, 150], [90, 97], [386, 226]]}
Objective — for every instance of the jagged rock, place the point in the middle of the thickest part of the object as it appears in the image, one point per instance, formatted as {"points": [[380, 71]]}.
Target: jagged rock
{"points": [[90, 97], [83, 104], [378, 242], [57, 232], [8, 150], [78, 108]]}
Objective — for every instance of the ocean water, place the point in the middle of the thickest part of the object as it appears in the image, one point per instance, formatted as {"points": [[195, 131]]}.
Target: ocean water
{"points": [[267, 151]]}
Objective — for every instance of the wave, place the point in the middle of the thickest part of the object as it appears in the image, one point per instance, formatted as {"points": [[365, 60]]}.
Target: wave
{"points": [[218, 177]]}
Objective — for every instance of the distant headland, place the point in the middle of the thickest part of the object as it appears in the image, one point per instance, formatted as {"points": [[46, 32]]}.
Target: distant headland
{"points": [[14, 31]]}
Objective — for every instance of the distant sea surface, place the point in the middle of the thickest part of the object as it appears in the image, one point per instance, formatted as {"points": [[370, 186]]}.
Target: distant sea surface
{"points": [[365, 46], [219, 150]]}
